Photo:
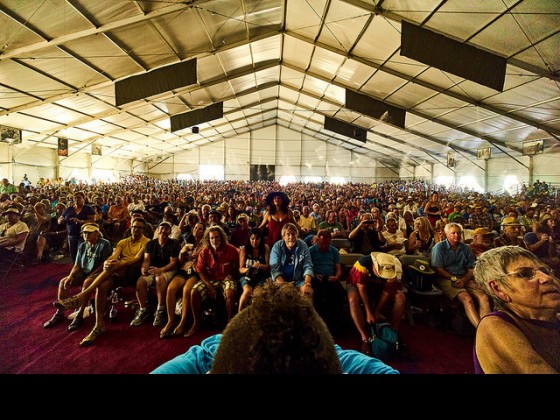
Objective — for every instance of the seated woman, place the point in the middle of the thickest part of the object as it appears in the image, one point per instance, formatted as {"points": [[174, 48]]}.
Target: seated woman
{"points": [[254, 266], [184, 280], [522, 335], [421, 240]]}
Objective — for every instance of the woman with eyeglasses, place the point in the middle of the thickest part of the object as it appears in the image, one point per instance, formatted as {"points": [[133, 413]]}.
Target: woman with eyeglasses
{"points": [[523, 334]]}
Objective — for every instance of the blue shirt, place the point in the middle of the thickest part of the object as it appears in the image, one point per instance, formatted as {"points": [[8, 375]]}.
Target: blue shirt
{"points": [[90, 257], [457, 262], [324, 262], [198, 360], [302, 264]]}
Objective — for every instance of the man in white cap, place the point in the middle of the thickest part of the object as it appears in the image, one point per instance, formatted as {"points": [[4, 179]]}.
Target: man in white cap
{"points": [[92, 253], [13, 233], [375, 280]]}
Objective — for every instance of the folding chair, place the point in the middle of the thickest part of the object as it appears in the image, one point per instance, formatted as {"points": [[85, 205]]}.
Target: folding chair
{"points": [[10, 262]]}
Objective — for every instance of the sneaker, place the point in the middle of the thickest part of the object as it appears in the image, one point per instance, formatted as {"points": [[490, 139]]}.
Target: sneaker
{"points": [[92, 336], [140, 317], [159, 317], [55, 319]]}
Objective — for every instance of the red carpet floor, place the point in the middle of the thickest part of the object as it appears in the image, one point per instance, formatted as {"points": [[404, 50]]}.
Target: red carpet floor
{"points": [[26, 347]]}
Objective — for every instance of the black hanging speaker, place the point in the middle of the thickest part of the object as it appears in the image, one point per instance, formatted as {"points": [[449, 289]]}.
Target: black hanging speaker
{"points": [[195, 130]]}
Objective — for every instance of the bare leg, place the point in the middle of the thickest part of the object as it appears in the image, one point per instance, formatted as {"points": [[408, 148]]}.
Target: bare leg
{"points": [[196, 303], [230, 303], [161, 289], [186, 310], [142, 292], [470, 309], [101, 302], [245, 296], [41, 243], [398, 310], [357, 313], [174, 287]]}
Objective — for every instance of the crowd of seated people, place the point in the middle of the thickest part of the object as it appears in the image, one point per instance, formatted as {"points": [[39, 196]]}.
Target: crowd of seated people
{"points": [[403, 219]]}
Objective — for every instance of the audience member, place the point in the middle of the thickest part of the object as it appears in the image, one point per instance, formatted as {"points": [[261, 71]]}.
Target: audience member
{"points": [[158, 268], [218, 269], [254, 265], [91, 255], [277, 216], [482, 241], [290, 260], [13, 233], [511, 234], [121, 269], [522, 335], [328, 293], [75, 216], [453, 261], [368, 235], [184, 280], [375, 281]]}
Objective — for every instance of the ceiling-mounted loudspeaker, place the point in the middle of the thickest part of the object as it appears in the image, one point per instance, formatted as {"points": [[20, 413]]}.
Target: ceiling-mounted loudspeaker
{"points": [[195, 130]]}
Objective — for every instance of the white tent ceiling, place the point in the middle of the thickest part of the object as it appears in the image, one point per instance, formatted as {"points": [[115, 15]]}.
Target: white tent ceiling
{"points": [[284, 62]]}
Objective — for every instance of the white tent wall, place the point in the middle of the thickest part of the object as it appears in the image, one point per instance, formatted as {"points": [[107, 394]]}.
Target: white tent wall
{"points": [[546, 167], [18, 160], [77, 166], [237, 156], [500, 168]]}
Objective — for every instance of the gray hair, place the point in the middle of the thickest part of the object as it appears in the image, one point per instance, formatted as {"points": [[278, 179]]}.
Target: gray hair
{"points": [[492, 264], [289, 226], [447, 228]]}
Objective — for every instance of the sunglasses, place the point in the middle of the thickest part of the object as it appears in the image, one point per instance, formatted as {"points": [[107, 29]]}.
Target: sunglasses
{"points": [[529, 273]]}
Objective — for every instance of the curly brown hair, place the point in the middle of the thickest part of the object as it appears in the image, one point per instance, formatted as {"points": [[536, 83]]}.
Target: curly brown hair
{"points": [[280, 332]]}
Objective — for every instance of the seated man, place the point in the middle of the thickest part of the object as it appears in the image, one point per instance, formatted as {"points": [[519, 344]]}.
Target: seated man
{"points": [[328, 293], [218, 269], [482, 241], [121, 269], [375, 280], [367, 236], [158, 268], [511, 234], [117, 219], [299, 342], [54, 237], [453, 261], [13, 233], [92, 253], [290, 260], [333, 225]]}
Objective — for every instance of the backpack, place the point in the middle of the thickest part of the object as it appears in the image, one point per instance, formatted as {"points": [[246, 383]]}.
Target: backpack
{"points": [[384, 341]]}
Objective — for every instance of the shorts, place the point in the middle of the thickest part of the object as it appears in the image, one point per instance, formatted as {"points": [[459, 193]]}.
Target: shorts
{"points": [[151, 278], [185, 275], [220, 285], [373, 289], [247, 281], [448, 289]]}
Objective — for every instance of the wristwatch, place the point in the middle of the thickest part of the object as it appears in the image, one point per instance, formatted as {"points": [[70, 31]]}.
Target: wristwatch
{"points": [[454, 279]]}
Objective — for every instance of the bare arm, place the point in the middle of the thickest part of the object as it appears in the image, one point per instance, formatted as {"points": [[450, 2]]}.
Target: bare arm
{"points": [[502, 348]]}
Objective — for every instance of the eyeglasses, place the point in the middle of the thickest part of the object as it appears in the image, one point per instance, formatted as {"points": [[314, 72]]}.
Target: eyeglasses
{"points": [[529, 273]]}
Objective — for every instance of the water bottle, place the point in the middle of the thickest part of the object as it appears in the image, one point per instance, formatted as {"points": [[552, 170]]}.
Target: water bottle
{"points": [[114, 300]]}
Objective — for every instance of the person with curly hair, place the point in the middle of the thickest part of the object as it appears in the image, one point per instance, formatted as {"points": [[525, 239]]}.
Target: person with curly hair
{"points": [[279, 333]]}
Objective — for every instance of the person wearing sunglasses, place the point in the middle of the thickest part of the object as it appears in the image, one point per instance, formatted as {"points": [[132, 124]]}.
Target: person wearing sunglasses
{"points": [[523, 334]]}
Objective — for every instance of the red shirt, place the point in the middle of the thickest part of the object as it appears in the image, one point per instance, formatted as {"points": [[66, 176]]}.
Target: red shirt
{"points": [[219, 264]]}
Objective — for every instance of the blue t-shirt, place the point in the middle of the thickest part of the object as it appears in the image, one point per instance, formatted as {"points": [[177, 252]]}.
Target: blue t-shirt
{"points": [[457, 262], [198, 360], [324, 262]]}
